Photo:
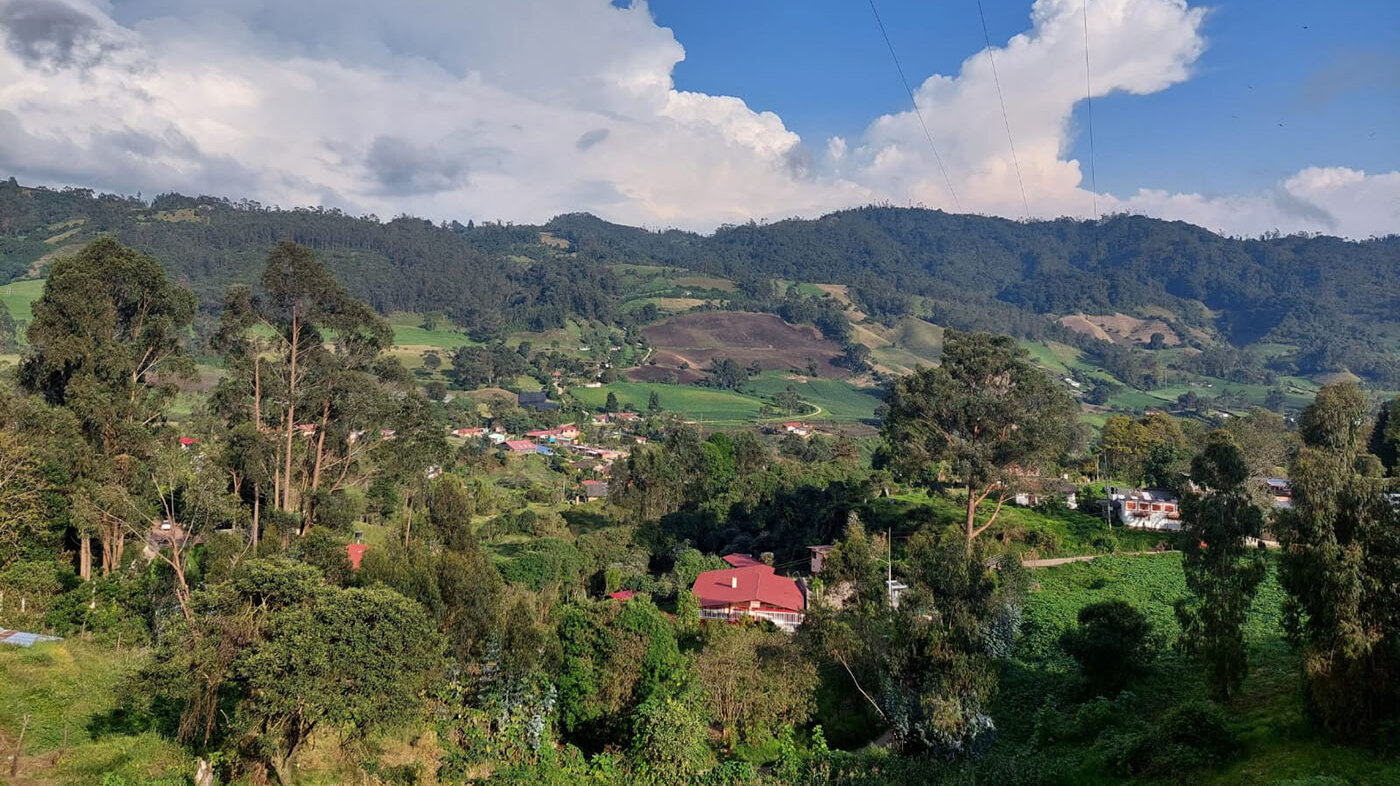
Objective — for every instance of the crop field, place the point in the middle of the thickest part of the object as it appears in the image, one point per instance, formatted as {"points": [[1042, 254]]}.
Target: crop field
{"points": [[701, 404], [838, 399], [698, 339], [1277, 745]]}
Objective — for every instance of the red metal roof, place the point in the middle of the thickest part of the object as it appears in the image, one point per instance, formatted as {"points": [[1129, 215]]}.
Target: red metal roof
{"points": [[747, 584], [622, 595], [521, 445], [741, 560], [356, 552]]}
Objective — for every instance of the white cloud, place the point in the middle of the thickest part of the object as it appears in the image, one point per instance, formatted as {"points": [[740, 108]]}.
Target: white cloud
{"points": [[526, 109]]}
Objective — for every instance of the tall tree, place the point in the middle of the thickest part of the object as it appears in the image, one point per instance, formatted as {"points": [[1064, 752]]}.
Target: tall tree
{"points": [[105, 343], [1224, 562], [1341, 568], [979, 422]]}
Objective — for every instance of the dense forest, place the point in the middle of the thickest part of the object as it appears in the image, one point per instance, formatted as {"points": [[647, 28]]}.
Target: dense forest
{"points": [[1298, 304], [320, 568]]}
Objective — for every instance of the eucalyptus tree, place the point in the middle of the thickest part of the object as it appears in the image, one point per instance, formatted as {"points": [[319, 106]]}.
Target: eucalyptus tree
{"points": [[1223, 561], [105, 343]]}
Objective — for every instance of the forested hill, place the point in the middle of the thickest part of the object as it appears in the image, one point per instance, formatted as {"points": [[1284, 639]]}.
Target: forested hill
{"points": [[1335, 303], [1300, 304]]}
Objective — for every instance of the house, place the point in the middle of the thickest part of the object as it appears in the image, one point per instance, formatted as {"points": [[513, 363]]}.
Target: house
{"points": [[1046, 489], [306, 429], [1281, 491], [1156, 509], [469, 433], [750, 589], [520, 446], [594, 489], [818, 558], [800, 429], [496, 437], [543, 450], [187, 442], [561, 434], [622, 595], [355, 436], [356, 553]]}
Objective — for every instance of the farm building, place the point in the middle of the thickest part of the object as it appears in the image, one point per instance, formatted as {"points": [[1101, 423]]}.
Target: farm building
{"points": [[750, 589], [520, 446]]}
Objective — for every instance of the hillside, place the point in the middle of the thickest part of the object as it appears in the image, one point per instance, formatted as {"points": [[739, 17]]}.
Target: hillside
{"points": [[1291, 306]]}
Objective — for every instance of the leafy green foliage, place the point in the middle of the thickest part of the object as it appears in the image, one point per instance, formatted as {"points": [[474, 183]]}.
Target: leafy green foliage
{"points": [[1110, 644]]}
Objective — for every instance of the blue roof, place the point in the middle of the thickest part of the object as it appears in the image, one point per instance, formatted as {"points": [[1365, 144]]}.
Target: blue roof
{"points": [[23, 639], [543, 451]]}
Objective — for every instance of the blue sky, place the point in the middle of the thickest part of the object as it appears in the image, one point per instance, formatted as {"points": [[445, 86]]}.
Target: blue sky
{"points": [[1242, 116], [1282, 84]]}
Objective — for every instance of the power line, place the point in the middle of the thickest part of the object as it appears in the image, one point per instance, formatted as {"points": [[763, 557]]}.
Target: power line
{"points": [[1089, 109], [917, 112], [1004, 119]]}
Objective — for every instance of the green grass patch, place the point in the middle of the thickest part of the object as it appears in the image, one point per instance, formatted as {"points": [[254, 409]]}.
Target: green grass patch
{"points": [[839, 400], [18, 296], [702, 404], [73, 685]]}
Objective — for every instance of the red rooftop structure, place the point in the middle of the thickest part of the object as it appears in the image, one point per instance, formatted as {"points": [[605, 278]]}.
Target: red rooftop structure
{"points": [[356, 553], [749, 589]]}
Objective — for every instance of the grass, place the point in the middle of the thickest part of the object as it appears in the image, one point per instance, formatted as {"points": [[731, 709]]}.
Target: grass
{"points": [[19, 295], [74, 685], [839, 400], [1277, 742], [702, 404]]}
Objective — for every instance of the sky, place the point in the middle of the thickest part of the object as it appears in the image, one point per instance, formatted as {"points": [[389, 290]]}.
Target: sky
{"points": [[1241, 116]]}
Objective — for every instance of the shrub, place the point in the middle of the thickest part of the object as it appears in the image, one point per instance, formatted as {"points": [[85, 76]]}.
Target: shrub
{"points": [[1110, 644], [1189, 736]]}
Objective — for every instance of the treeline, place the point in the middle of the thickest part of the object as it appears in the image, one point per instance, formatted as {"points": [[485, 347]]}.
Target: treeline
{"points": [[1320, 303]]}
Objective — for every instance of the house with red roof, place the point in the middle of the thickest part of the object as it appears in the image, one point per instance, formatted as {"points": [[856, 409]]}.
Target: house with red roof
{"points": [[595, 489], [798, 428], [521, 446], [749, 589]]}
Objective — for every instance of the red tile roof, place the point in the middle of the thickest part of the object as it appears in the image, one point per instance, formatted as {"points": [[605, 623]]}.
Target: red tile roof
{"points": [[356, 552], [741, 560], [737, 586]]}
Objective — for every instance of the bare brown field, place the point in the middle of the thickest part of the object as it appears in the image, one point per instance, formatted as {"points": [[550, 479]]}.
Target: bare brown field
{"points": [[1120, 328], [697, 339]]}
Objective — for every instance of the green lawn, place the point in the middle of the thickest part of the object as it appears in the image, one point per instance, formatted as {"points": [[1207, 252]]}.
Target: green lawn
{"points": [[702, 404]]}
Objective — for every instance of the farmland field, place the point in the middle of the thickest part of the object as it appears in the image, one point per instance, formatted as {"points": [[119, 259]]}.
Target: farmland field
{"points": [[839, 400], [698, 339], [701, 404], [18, 295]]}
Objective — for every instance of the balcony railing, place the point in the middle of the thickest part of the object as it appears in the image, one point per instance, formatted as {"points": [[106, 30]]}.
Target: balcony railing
{"points": [[782, 619]]}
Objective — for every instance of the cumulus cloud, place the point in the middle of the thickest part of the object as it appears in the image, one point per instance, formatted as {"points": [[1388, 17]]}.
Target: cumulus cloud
{"points": [[526, 109]]}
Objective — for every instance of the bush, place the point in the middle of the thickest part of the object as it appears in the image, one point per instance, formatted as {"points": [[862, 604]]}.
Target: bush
{"points": [[1187, 737], [1110, 644]]}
